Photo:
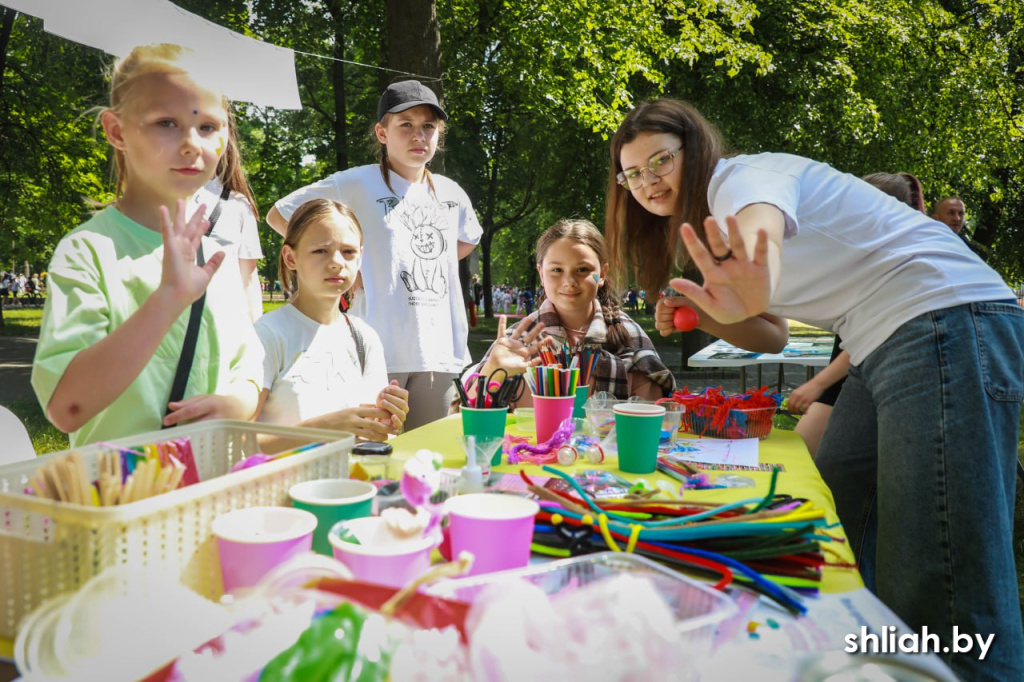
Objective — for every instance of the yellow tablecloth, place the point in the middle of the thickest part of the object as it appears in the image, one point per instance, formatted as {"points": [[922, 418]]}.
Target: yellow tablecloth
{"points": [[799, 479]]}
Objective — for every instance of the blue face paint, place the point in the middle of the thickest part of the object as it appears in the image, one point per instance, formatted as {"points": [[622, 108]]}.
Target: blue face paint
{"points": [[596, 279], [195, 111]]}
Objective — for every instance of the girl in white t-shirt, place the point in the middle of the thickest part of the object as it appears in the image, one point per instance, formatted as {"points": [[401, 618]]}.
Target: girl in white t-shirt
{"points": [[237, 226], [921, 449], [417, 225], [322, 368]]}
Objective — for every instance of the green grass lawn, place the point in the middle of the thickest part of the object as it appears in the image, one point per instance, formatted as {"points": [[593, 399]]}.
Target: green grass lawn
{"points": [[21, 321]]}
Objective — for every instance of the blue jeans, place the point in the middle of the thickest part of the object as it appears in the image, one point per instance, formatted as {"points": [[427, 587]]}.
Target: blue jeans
{"points": [[920, 454]]}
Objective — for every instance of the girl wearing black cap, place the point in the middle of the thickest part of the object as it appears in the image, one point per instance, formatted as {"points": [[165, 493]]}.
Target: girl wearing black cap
{"points": [[416, 227]]}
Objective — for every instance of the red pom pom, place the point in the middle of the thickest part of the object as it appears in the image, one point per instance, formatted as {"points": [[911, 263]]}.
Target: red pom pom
{"points": [[685, 319]]}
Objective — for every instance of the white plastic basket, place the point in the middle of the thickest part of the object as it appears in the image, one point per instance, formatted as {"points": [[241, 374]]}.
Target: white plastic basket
{"points": [[698, 609], [49, 547]]}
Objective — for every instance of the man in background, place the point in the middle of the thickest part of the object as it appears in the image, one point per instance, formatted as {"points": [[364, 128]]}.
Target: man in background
{"points": [[951, 212]]}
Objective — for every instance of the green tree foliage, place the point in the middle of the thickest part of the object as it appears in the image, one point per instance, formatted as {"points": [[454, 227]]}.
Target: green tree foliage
{"points": [[933, 87], [535, 88], [51, 160]]}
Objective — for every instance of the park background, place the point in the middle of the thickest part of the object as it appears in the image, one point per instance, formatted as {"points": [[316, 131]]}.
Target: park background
{"points": [[534, 89]]}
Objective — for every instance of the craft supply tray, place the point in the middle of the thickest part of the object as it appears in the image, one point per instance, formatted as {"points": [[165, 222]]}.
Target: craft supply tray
{"points": [[698, 609], [49, 547], [753, 422]]}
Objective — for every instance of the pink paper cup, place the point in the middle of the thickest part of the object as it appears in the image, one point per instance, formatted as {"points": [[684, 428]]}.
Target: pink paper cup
{"points": [[550, 412], [252, 542], [496, 529], [381, 556]]}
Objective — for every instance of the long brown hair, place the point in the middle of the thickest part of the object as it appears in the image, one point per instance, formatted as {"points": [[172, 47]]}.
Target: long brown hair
{"points": [[311, 212], [584, 232], [638, 238], [229, 169]]}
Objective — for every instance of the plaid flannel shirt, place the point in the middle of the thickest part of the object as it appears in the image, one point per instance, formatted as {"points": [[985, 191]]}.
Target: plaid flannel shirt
{"points": [[616, 361]]}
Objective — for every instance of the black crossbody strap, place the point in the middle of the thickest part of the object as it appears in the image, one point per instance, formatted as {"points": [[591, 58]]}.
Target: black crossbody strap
{"points": [[360, 349], [195, 319]]}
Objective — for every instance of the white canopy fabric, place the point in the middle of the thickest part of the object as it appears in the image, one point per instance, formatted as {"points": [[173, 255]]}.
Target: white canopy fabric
{"points": [[246, 69]]}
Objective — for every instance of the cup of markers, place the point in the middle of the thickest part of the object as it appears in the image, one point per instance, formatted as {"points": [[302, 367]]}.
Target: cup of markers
{"points": [[581, 357], [554, 395]]}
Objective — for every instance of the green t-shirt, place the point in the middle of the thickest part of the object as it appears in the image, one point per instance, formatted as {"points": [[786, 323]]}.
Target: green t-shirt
{"points": [[100, 274]]}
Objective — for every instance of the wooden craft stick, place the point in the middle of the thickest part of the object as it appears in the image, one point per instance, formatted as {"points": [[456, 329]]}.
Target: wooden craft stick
{"points": [[67, 476], [176, 476], [142, 479], [67, 480], [53, 489], [77, 464], [38, 487], [161, 480], [128, 491]]}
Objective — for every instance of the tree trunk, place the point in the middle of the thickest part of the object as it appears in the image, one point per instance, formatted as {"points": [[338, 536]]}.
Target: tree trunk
{"points": [[414, 41], [413, 45], [5, 37], [340, 122], [485, 272]]}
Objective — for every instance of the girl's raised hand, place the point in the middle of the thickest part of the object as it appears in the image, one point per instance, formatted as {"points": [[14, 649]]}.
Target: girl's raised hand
{"points": [[517, 352], [736, 286], [181, 277]]}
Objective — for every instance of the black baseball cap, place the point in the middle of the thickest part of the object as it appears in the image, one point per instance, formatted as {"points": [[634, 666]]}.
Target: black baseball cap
{"points": [[406, 95]]}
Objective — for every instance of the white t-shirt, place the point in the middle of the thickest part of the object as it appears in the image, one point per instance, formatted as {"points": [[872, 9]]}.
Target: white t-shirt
{"points": [[237, 228], [855, 260], [312, 369], [411, 294]]}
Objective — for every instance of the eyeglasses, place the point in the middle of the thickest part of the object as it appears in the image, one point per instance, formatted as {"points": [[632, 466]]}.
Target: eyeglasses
{"points": [[660, 164]]}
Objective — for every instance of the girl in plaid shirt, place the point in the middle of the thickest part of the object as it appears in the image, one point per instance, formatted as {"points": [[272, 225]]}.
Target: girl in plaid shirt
{"points": [[579, 307]]}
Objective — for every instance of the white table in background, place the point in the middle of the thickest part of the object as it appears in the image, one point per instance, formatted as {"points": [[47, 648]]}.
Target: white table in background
{"points": [[811, 352]]}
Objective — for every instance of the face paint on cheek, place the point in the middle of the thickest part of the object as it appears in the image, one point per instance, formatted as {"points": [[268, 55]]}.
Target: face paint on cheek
{"points": [[597, 279], [220, 145]]}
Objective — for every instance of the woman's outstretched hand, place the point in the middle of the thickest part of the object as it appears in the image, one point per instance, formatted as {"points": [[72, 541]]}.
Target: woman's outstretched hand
{"points": [[736, 286]]}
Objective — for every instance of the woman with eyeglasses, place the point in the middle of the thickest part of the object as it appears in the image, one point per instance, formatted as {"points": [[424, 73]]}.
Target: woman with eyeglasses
{"points": [[922, 445]]}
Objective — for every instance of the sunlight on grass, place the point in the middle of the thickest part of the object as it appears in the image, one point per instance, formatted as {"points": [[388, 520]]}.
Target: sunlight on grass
{"points": [[21, 321], [45, 436]]}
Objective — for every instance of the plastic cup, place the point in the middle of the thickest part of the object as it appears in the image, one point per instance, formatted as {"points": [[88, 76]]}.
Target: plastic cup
{"points": [[550, 412], [496, 529], [331, 500], [526, 419], [381, 557], [637, 432], [671, 421], [484, 421], [578, 411], [252, 542]]}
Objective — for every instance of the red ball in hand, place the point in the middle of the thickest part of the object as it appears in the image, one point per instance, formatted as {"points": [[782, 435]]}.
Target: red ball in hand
{"points": [[685, 319]]}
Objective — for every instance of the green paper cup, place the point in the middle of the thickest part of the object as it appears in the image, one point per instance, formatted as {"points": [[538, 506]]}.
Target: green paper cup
{"points": [[578, 411], [484, 421], [637, 432], [331, 500]]}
